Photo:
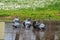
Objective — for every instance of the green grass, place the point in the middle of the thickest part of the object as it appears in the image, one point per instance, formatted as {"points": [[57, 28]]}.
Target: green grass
{"points": [[51, 11], [38, 14]]}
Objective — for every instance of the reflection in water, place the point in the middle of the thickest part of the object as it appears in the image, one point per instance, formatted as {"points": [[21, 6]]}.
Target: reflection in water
{"points": [[24, 34]]}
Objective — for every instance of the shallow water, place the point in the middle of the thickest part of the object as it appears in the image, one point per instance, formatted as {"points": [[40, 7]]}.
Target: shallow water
{"points": [[24, 34]]}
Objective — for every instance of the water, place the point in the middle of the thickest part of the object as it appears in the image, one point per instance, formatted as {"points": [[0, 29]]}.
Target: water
{"points": [[24, 34]]}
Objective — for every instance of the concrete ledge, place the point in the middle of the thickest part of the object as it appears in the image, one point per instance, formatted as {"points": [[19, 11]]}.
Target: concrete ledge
{"points": [[2, 25]]}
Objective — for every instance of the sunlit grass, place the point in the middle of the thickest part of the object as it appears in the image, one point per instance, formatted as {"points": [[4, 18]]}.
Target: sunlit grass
{"points": [[33, 14]]}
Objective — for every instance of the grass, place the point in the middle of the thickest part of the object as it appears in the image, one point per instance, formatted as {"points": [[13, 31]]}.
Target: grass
{"points": [[51, 11], [38, 14]]}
